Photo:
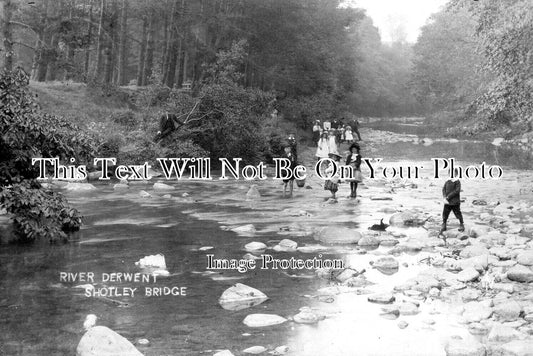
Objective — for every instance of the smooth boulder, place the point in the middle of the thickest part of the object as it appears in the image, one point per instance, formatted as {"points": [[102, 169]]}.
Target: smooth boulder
{"points": [[461, 347], [241, 296], [79, 187], [102, 341], [261, 320], [339, 235], [520, 273]]}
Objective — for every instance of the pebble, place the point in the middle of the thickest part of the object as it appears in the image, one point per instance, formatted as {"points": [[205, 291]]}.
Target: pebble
{"points": [[402, 324]]}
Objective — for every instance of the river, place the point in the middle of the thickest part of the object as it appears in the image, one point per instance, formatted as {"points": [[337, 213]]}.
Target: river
{"points": [[43, 315]]}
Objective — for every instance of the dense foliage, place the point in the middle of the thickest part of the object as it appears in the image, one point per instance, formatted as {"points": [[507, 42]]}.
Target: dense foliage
{"points": [[474, 57], [27, 133], [300, 49]]}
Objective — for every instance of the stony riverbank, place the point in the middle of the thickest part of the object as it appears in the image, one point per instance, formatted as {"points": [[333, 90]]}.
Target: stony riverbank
{"points": [[402, 291]]}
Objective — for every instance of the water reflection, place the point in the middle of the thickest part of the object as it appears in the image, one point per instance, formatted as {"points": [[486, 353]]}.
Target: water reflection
{"points": [[467, 151]]}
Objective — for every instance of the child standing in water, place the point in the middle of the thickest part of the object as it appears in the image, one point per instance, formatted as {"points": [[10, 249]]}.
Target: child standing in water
{"points": [[354, 160], [451, 192], [289, 182], [332, 184]]}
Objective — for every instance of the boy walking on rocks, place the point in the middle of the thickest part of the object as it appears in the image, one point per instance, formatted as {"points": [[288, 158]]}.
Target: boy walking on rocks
{"points": [[451, 192]]}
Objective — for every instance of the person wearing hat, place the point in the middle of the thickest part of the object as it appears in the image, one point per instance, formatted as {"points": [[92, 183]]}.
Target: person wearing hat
{"points": [[354, 160], [332, 184], [291, 140]]}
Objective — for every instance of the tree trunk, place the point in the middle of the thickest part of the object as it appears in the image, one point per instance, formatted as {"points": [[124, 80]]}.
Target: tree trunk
{"points": [[142, 53], [68, 71], [149, 55], [7, 33], [111, 50], [89, 40], [100, 43], [123, 49], [165, 40], [169, 46], [51, 68], [179, 60]]}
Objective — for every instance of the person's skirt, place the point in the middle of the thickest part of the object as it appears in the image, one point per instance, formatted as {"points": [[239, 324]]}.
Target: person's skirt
{"points": [[329, 185], [316, 137], [357, 177]]}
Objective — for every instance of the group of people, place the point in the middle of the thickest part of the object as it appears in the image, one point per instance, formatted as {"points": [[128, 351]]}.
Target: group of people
{"points": [[342, 130]]}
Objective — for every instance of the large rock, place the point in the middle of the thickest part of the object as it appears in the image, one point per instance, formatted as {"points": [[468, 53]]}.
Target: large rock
{"points": [[79, 187], [514, 348], [456, 347], [255, 350], [102, 341], [384, 298], [479, 263], [399, 219], [248, 229], [476, 312], [386, 264], [525, 258], [368, 241], [408, 308], [286, 245], [163, 186], [478, 230], [223, 353], [260, 320], [255, 246], [307, 316], [339, 235], [468, 275], [520, 273], [503, 253], [241, 296], [152, 261], [473, 251], [508, 311], [503, 333]]}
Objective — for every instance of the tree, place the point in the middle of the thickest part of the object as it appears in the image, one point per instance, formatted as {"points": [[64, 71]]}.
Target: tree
{"points": [[446, 72], [504, 31], [7, 32]]}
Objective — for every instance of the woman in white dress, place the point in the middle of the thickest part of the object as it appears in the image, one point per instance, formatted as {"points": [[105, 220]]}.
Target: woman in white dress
{"points": [[348, 134], [322, 150], [332, 143]]}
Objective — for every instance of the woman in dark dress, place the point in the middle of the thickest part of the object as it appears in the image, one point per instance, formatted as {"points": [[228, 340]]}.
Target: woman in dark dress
{"points": [[354, 160]]}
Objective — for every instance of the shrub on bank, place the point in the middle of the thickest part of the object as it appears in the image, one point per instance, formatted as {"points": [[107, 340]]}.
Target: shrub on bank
{"points": [[28, 133]]}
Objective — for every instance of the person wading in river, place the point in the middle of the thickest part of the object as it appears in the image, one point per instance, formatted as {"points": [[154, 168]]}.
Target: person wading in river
{"points": [[451, 192], [354, 160], [167, 124], [289, 182]]}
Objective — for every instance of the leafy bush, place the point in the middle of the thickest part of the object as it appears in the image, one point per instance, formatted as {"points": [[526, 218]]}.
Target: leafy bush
{"points": [[126, 119], [39, 213], [186, 149], [111, 146], [27, 133]]}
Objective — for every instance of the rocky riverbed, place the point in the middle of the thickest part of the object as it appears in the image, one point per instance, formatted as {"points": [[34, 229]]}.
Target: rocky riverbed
{"points": [[402, 291]]}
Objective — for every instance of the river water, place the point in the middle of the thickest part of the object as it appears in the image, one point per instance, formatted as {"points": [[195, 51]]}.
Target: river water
{"points": [[42, 315]]}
